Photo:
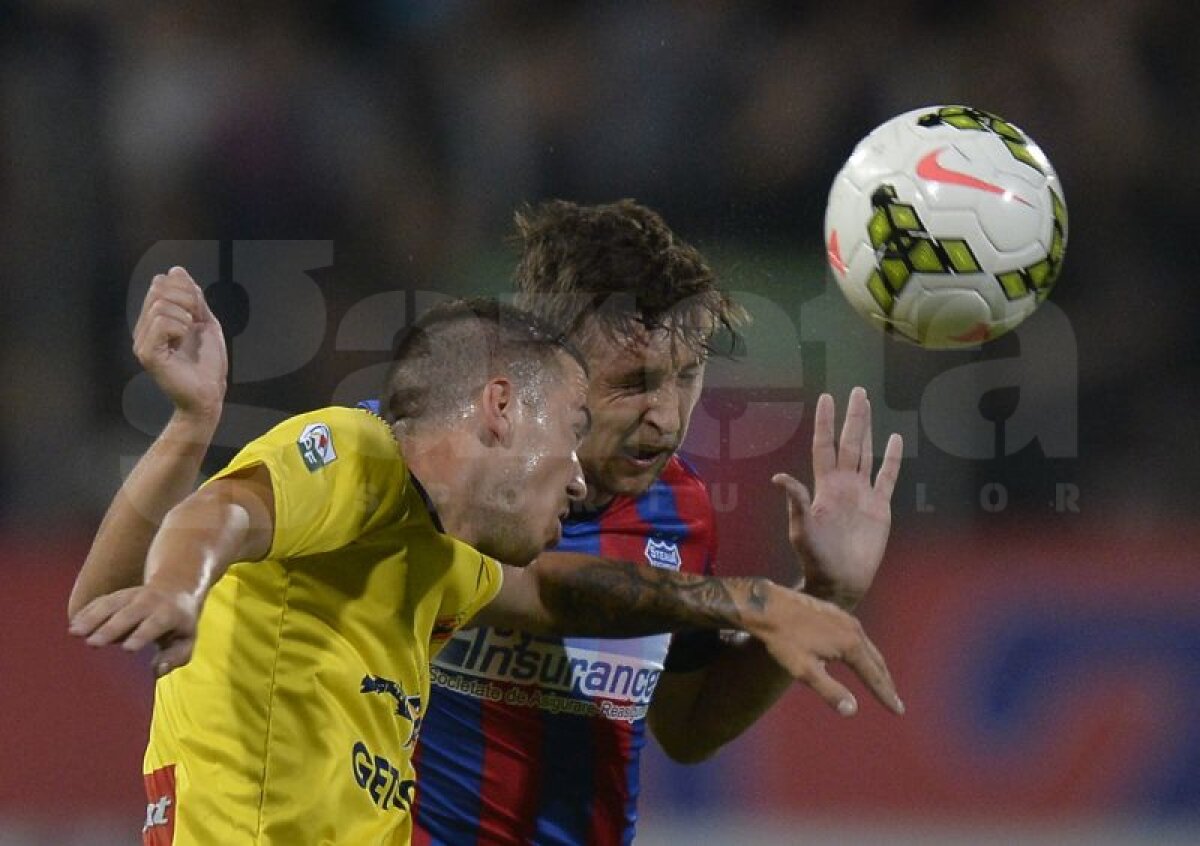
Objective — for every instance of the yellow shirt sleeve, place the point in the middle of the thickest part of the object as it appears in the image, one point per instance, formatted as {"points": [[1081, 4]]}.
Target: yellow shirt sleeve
{"points": [[336, 474]]}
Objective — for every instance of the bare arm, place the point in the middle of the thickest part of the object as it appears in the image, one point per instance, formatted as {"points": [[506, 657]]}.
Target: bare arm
{"points": [[163, 477], [229, 520], [178, 340], [745, 680], [583, 595], [567, 593]]}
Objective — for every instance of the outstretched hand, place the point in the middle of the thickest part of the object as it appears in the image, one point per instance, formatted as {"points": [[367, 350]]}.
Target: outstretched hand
{"points": [[138, 616], [840, 532], [803, 633], [179, 342]]}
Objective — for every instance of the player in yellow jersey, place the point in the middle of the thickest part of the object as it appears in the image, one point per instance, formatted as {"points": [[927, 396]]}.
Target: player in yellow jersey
{"points": [[294, 720]]}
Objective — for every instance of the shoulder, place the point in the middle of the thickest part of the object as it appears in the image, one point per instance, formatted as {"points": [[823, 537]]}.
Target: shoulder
{"points": [[333, 440], [336, 428]]}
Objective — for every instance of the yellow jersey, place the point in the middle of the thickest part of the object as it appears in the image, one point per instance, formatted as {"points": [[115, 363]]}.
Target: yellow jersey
{"points": [[295, 719]]}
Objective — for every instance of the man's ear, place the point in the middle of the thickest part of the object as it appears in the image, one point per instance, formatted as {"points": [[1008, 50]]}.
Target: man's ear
{"points": [[497, 403]]}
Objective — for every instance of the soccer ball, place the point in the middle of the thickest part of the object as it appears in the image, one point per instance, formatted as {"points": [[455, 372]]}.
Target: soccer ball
{"points": [[946, 227]]}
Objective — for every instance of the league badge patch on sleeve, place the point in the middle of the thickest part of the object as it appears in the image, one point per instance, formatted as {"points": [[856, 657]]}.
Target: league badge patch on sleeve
{"points": [[316, 446]]}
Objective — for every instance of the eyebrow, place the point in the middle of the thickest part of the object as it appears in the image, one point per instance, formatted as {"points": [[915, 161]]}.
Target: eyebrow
{"points": [[643, 372]]}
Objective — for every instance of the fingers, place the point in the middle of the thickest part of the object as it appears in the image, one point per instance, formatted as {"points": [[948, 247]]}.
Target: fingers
{"points": [[173, 307], [832, 691], [177, 287], [855, 449], [200, 309], [862, 656], [831, 634], [868, 447], [867, 662], [168, 313], [117, 626], [158, 335], [854, 429], [129, 617], [96, 612], [889, 470], [805, 633], [152, 627], [824, 454], [799, 500]]}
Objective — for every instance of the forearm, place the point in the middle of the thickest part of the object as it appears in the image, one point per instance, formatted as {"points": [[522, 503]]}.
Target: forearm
{"points": [[695, 714], [198, 541], [162, 478], [587, 595], [231, 519]]}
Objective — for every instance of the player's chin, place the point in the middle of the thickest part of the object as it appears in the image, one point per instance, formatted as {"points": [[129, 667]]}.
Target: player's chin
{"points": [[633, 478], [524, 557], [521, 559]]}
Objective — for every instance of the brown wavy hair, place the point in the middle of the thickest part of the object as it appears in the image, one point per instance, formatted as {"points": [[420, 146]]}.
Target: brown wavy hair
{"points": [[617, 266]]}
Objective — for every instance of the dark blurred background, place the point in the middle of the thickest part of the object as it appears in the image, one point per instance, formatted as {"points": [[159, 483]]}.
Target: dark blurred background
{"points": [[329, 169]]}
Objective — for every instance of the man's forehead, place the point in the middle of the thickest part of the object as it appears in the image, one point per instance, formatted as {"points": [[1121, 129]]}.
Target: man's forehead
{"points": [[640, 349]]}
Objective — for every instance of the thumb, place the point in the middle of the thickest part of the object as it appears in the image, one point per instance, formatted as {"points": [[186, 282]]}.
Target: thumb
{"points": [[799, 500], [173, 656]]}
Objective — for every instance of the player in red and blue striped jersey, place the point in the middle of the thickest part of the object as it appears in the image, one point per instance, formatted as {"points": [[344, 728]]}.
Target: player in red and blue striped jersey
{"points": [[536, 739]]}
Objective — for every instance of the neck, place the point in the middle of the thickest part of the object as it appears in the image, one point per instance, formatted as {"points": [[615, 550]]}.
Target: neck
{"points": [[436, 463]]}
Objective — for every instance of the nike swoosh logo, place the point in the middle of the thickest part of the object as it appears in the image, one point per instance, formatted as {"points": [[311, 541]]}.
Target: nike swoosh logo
{"points": [[834, 253], [929, 169]]}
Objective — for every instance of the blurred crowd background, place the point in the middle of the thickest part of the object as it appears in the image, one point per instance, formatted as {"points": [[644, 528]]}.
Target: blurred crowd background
{"points": [[396, 137]]}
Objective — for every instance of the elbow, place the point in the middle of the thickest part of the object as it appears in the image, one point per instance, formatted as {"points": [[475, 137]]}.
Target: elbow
{"points": [[684, 742], [687, 750], [690, 755]]}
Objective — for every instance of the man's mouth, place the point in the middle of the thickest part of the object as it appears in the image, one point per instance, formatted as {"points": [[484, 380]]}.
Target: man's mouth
{"points": [[643, 456]]}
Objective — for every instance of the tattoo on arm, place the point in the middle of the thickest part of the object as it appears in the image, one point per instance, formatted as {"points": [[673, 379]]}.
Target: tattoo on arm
{"points": [[622, 599]]}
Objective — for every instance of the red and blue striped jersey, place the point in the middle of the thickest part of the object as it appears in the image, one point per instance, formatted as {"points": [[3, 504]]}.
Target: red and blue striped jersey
{"points": [[537, 740]]}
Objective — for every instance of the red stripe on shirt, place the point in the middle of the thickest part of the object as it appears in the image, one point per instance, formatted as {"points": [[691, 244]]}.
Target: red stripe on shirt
{"points": [[511, 782]]}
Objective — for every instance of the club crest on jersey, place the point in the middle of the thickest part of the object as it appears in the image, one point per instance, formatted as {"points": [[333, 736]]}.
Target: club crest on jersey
{"points": [[663, 553], [407, 706], [316, 446]]}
